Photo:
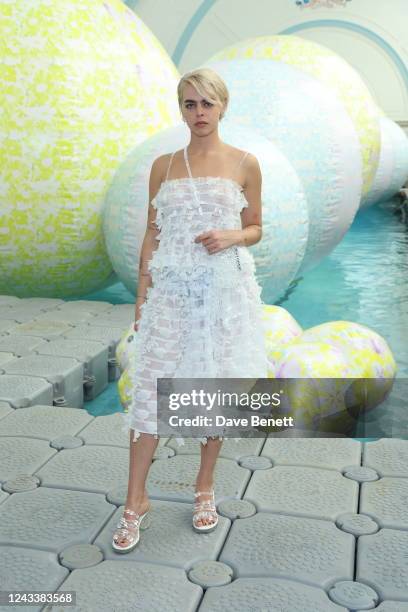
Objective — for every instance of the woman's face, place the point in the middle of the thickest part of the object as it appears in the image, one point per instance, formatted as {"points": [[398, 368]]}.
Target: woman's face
{"points": [[197, 109]]}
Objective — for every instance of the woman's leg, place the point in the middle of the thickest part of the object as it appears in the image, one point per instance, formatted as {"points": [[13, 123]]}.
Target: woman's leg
{"points": [[205, 476], [141, 454]]}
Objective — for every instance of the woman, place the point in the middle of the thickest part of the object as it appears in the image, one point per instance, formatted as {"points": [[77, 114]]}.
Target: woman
{"points": [[198, 306]]}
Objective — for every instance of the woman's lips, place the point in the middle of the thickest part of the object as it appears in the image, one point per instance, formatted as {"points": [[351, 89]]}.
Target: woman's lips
{"points": [[201, 123]]}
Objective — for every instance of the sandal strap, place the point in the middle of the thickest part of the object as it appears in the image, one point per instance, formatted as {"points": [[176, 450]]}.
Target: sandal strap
{"points": [[128, 523], [124, 533], [205, 512], [204, 505], [132, 512], [204, 493]]}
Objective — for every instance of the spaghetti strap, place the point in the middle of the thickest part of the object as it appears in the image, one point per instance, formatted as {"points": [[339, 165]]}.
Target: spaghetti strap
{"points": [[187, 163], [241, 160], [168, 167]]}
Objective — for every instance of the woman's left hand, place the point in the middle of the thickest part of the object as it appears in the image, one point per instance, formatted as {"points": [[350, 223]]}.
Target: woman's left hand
{"points": [[218, 240]]}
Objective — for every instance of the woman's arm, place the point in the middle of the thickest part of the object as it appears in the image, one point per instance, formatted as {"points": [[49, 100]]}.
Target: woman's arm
{"points": [[251, 217], [150, 242]]}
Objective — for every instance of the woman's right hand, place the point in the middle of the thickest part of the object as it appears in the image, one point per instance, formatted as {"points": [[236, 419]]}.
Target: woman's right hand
{"points": [[138, 314]]}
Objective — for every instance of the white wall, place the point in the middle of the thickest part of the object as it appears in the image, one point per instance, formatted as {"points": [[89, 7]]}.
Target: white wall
{"points": [[372, 35]]}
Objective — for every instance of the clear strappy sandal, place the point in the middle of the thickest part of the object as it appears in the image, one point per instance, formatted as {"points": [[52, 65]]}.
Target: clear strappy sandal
{"points": [[205, 509], [128, 528]]}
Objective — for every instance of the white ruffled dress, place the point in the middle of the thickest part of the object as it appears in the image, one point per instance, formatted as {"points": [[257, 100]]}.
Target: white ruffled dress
{"points": [[203, 314]]}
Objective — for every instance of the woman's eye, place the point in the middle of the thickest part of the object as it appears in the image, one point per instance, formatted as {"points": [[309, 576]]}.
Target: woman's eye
{"points": [[190, 104]]}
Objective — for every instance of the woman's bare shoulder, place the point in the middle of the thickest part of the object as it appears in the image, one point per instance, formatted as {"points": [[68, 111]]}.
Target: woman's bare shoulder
{"points": [[161, 163], [240, 153], [161, 160], [251, 161]]}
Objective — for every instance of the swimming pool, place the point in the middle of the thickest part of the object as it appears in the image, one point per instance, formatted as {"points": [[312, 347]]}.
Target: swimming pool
{"points": [[365, 280]]}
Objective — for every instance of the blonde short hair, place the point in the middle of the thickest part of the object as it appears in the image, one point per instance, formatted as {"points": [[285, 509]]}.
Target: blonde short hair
{"points": [[208, 84]]}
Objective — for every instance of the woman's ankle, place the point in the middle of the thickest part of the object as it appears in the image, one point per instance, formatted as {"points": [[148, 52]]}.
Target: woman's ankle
{"points": [[136, 499], [204, 485]]}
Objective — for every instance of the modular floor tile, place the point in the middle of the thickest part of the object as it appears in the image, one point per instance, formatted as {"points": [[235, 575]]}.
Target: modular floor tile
{"points": [[305, 525]]}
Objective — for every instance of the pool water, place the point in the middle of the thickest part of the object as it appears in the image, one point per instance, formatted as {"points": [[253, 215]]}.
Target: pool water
{"points": [[364, 280]]}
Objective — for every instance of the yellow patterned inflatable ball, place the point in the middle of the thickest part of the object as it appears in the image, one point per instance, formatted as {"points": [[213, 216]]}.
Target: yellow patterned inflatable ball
{"points": [[125, 353], [301, 358], [331, 70], [316, 388], [280, 325], [368, 353], [280, 328], [369, 357], [82, 83], [125, 388]]}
